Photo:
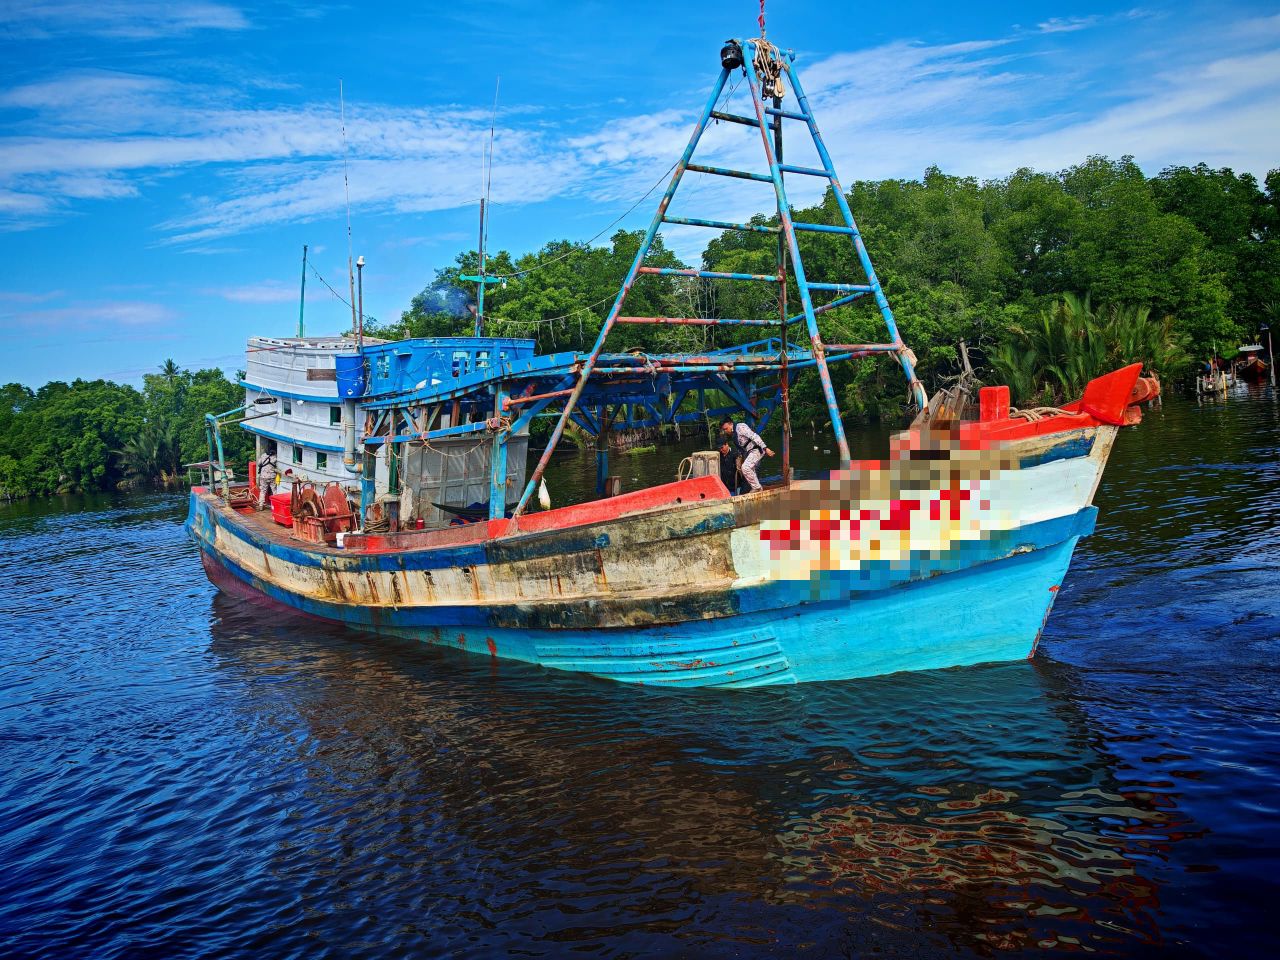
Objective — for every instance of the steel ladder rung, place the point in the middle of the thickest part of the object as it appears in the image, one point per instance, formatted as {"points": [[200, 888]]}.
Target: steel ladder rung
{"points": [[726, 172], [720, 224], [807, 171], [734, 118], [823, 228], [787, 114]]}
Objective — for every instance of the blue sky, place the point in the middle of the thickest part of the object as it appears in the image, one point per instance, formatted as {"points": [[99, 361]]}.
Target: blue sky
{"points": [[162, 164]]}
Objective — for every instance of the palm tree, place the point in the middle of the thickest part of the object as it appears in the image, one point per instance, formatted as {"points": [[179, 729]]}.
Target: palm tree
{"points": [[1053, 358], [153, 455]]}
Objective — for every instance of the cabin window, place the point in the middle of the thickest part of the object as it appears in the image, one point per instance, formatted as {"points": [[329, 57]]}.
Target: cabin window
{"points": [[459, 362], [335, 416], [482, 359], [384, 366], [297, 455], [322, 461], [286, 408]]}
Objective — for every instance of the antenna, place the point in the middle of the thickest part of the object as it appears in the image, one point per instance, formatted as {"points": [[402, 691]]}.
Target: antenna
{"points": [[346, 189], [493, 123], [486, 178], [302, 295]]}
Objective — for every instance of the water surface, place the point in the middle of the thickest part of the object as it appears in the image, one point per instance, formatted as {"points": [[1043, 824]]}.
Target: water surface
{"points": [[188, 775]]}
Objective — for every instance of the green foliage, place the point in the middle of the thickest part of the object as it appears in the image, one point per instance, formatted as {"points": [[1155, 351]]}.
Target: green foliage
{"points": [[98, 435], [1052, 357]]}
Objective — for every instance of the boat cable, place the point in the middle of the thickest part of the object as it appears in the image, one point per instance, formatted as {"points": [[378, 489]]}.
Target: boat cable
{"points": [[341, 299]]}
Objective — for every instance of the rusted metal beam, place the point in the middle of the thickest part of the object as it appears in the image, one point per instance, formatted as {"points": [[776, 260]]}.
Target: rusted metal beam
{"points": [[721, 224], [707, 274], [732, 118], [726, 172], [510, 402], [789, 114], [698, 321], [842, 287], [807, 171], [823, 228]]}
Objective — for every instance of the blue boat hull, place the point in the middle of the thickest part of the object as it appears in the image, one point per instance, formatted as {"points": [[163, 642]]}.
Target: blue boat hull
{"points": [[990, 611]]}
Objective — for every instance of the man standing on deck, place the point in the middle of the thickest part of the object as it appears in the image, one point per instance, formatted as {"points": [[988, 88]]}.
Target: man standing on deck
{"points": [[750, 447]]}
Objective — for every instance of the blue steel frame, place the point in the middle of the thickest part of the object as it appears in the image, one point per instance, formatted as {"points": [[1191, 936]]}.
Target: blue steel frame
{"points": [[788, 228]]}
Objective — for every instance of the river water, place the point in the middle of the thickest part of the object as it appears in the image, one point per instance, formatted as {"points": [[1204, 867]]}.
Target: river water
{"points": [[186, 775]]}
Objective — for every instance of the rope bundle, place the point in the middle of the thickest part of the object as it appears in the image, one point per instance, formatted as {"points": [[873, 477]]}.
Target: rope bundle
{"points": [[1036, 414], [768, 67]]}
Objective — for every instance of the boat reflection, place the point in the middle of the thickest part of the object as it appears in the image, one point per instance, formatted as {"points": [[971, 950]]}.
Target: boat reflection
{"points": [[970, 809]]}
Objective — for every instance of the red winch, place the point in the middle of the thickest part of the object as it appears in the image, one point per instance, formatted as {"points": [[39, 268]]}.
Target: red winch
{"points": [[320, 517]]}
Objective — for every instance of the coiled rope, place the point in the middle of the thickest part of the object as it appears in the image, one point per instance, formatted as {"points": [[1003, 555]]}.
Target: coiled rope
{"points": [[1036, 414]]}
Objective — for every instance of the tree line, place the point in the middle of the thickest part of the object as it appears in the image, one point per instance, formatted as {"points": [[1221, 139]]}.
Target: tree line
{"points": [[98, 435], [1050, 278], [1113, 264]]}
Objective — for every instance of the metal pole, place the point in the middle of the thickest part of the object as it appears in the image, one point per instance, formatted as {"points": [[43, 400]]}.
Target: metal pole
{"points": [[602, 449], [482, 284], [302, 296], [904, 359], [590, 363], [498, 459], [806, 301], [360, 302], [784, 381]]}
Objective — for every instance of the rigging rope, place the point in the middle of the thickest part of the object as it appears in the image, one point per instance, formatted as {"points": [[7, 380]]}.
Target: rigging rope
{"points": [[1036, 414], [768, 67], [341, 299]]}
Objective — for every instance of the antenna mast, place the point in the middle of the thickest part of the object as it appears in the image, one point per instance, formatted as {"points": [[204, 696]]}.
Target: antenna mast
{"points": [[346, 188], [302, 295], [486, 171]]}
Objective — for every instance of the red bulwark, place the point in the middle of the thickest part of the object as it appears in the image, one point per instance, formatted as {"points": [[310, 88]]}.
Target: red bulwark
{"points": [[693, 490]]}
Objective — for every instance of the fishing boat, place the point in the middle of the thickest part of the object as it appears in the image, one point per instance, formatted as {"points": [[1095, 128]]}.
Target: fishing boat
{"points": [[1248, 366], [949, 551]]}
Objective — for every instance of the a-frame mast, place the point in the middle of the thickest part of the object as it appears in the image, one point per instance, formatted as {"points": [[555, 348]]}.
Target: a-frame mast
{"points": [[751, 57]]}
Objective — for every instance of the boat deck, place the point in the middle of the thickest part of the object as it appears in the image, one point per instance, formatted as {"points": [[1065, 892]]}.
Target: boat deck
{"points": [[693, 491]]}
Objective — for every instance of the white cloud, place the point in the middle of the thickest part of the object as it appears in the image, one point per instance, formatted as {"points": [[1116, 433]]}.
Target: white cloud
{"points": [[92, 315], [1067, 24], [982, 107], [119, 19]]}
